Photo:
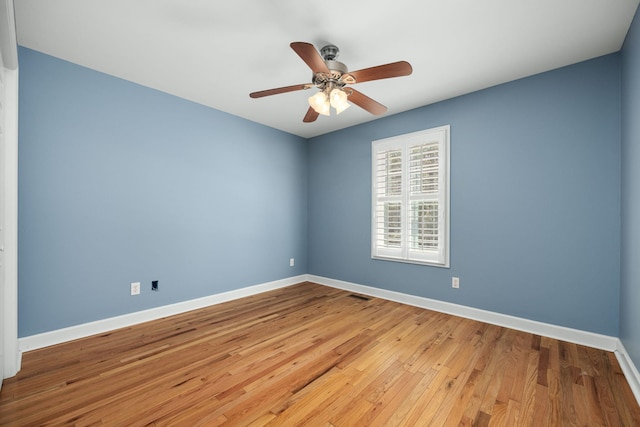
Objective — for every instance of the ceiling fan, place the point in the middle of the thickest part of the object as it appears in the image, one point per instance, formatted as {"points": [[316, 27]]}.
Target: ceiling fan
{"points": [[331, 77]]}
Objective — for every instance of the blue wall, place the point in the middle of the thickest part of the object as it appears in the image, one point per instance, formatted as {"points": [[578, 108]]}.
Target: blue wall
{"points": [[535, 199], [120, 183], [630, 281]]}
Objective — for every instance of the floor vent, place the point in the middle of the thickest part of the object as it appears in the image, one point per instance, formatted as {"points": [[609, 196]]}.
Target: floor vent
{"points": [[359, 297]]}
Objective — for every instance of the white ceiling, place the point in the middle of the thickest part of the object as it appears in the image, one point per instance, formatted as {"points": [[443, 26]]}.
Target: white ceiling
{"points": [[216, 52]]}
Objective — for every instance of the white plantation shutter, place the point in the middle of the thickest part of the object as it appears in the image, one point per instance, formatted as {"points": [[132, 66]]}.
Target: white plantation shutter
{"points": [[388, 208], [411, 197]]}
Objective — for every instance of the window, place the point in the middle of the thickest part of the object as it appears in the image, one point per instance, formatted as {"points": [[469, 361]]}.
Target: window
{"points": [[410, 198]]}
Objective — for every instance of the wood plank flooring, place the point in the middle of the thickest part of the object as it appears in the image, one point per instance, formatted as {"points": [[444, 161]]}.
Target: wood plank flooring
{"points": [[316, 356]]}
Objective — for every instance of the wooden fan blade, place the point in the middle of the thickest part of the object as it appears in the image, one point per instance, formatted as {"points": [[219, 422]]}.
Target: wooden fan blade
{"points": [[278, 90], [310, 56], [395, 69], [366, 103], [311, 115]]}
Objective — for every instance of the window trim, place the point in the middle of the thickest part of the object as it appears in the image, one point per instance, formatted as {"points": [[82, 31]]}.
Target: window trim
{"points": [[403, 142]]}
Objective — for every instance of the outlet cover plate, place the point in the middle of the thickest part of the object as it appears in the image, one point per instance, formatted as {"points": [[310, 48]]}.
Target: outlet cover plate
{"points": [[135, 288]]}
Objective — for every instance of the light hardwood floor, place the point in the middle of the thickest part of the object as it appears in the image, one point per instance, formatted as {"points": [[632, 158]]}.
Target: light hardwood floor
{"points": [[313, 355]]}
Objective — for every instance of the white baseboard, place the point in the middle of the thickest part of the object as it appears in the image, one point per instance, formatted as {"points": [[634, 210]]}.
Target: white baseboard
{"points": [[603, 342], [590, 339], [628, 369], [58, 336]]}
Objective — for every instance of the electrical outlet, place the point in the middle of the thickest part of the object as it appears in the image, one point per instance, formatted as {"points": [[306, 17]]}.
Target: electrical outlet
{"points": [[154, 285], [455, 282], [135, 288], [292, 262]]}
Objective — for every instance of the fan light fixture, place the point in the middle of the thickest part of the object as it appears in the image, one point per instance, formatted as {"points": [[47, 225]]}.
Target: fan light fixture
{"points": [[322, 103]]}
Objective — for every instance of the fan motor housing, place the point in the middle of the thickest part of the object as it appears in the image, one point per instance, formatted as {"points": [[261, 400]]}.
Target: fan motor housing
{"points": [[329, 53], [336, 67], [336, 70]]}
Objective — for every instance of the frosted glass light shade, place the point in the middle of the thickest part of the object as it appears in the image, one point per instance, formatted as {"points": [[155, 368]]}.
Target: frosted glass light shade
{"points": [[339, 100], [320, 103]]}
